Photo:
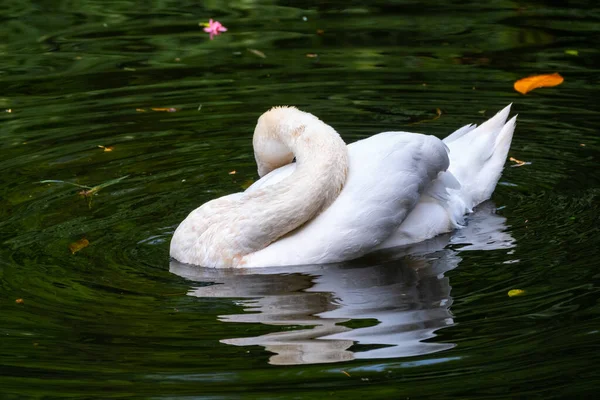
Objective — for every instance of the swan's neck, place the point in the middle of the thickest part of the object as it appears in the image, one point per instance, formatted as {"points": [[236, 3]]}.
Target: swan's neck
{"points": [[221, 232], [322, 162]]}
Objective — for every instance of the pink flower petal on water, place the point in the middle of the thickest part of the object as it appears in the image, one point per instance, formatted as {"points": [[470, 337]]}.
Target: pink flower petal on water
{"points": [[214, 28]]}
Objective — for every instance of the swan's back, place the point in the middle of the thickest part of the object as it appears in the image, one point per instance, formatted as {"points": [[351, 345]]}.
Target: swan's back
{"points": [[477, 156], [388, 173]]}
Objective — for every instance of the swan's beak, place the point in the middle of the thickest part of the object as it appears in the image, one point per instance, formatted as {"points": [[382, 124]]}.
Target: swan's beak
{"points": [[263, 169]]}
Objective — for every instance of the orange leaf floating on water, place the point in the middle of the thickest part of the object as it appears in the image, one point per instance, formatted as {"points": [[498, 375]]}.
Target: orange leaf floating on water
{"points": [[106, 148], [19, 301], [164, 109], [537, 81], [519, 163], [78, 245], [233, 172]]}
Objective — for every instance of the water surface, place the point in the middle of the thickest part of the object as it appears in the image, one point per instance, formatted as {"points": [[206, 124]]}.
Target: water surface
{"points": [[116, 319]]}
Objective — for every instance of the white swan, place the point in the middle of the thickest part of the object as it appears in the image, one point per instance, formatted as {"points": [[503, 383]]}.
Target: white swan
{"points": [[338, 202]]}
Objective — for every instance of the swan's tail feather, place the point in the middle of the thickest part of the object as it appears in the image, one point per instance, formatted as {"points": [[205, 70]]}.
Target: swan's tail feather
{"points": [[459, 133], [477, 157]]}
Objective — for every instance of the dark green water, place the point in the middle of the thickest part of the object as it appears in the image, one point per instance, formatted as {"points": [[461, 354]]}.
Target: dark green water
{"points": [[116, 320]]}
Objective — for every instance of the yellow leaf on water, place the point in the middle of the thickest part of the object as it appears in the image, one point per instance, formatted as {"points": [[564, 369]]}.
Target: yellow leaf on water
{"points": [[78, 245], [519, 163], [438, 114], [247, 183], [515, 292], [232, 172], [257, 53], [106, 148], [171, 109], [19, 301], [526, 85]]}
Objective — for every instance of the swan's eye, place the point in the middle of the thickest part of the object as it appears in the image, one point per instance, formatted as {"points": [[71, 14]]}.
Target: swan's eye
{"points": [[294, 160]]}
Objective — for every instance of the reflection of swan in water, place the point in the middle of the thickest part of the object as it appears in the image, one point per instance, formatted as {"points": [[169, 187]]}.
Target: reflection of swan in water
{"points": [[385, 308]]}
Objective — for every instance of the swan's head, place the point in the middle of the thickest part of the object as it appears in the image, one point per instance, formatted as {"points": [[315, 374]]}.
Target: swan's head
{"points": [[274, 137]]}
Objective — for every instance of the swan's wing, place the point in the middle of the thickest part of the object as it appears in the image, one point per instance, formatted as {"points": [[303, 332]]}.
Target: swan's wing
{"points": [[387, 174], [477, 155], [434, 214], [431, 216]]}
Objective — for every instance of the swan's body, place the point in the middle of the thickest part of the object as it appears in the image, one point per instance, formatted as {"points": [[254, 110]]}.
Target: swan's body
{"points": [[338, 202]]}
